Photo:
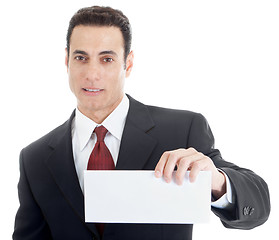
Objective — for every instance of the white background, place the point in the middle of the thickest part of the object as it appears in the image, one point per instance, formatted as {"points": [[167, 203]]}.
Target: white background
{"points": [[219, 58]]}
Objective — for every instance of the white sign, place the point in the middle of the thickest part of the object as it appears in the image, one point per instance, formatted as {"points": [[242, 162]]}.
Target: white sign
{"points": [[139, 197]]}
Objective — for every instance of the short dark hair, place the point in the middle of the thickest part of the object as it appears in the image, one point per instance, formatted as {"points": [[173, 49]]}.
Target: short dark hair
{"points": [[102, 16]]}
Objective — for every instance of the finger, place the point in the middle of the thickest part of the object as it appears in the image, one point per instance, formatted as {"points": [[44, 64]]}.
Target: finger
{"points": [[197, 166], [164, 167], [173, 158], [185, 164], [161, 164]]}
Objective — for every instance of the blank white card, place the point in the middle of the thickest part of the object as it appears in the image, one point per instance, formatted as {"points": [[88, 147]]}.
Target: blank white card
{"points": [[139, 197]]}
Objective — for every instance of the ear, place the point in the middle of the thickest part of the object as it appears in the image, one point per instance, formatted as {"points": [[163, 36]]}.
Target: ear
{"points": [[129, 63], [66, 59]]}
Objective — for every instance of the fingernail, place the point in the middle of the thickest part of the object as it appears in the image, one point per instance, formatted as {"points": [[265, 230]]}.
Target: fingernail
{"points": [[192, 180], [158, 174], [167, 179], [179, 183]]}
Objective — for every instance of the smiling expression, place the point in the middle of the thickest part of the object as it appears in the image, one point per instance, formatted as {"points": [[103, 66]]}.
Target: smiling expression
{"points": [[97, 69]]}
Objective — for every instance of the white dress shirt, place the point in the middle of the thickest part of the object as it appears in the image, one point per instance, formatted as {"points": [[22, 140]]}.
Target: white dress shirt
{"points": [[83, 143]]}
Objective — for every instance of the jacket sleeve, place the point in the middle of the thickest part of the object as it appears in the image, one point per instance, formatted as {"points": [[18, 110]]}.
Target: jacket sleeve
{"points": [[251, 194], [29, 221]]}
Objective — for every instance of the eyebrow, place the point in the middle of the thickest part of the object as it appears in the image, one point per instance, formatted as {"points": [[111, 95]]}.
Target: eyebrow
{"points": [[106, 52], [80, 52], [109, 52]]}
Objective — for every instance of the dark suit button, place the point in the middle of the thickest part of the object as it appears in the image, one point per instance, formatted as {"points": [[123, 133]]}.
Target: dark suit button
{"points": [[251, 211], [245, 211], [248, 211]]}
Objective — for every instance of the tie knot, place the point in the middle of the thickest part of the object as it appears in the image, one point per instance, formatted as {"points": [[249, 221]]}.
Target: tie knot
{"points": [[101, 133]]}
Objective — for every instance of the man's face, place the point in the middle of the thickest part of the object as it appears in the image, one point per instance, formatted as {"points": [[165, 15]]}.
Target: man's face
{"points": [[96, 69]]}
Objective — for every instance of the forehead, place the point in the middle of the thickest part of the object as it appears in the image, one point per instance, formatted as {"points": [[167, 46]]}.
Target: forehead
{"points": [[96, 38]]}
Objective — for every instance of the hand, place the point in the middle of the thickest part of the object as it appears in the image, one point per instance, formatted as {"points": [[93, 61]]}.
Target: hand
{"points": [[194, 161]]}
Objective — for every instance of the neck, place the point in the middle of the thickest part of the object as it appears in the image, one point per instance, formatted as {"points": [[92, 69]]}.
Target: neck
{"points": [[99, 115]]}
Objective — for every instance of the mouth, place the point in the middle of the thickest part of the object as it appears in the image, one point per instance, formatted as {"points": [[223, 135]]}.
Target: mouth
{"points": [[92, 90]]}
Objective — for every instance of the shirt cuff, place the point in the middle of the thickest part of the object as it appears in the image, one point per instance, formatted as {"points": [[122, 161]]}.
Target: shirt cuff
{"points": [[226, 201]]}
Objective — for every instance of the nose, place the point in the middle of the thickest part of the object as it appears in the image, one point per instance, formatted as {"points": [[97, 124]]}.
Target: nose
{"points": [[93, 72]]}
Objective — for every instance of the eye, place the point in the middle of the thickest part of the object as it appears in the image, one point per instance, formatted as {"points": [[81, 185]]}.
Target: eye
{"points": [[108, 60], [81, 58]]}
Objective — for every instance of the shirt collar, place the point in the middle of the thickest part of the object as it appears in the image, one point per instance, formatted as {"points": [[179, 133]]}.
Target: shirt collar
{"points": [[114, 123]]}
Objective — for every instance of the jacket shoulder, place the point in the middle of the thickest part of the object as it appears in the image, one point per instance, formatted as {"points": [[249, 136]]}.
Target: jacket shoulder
{"points": [[42, 144], [174, 115]]}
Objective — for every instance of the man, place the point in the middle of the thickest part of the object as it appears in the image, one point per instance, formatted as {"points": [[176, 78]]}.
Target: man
{"points": [[98, 59]]}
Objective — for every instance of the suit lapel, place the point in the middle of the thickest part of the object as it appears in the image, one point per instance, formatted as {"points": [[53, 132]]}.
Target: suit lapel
{"points": [[62, 168], [136, 145], [135, 149]]}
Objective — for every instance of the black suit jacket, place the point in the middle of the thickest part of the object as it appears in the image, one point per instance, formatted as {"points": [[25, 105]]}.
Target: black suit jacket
{"points": [[52, 203]]}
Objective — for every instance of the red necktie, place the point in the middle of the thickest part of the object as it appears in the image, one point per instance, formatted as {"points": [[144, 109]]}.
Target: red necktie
{"points": [[100, 159]]}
